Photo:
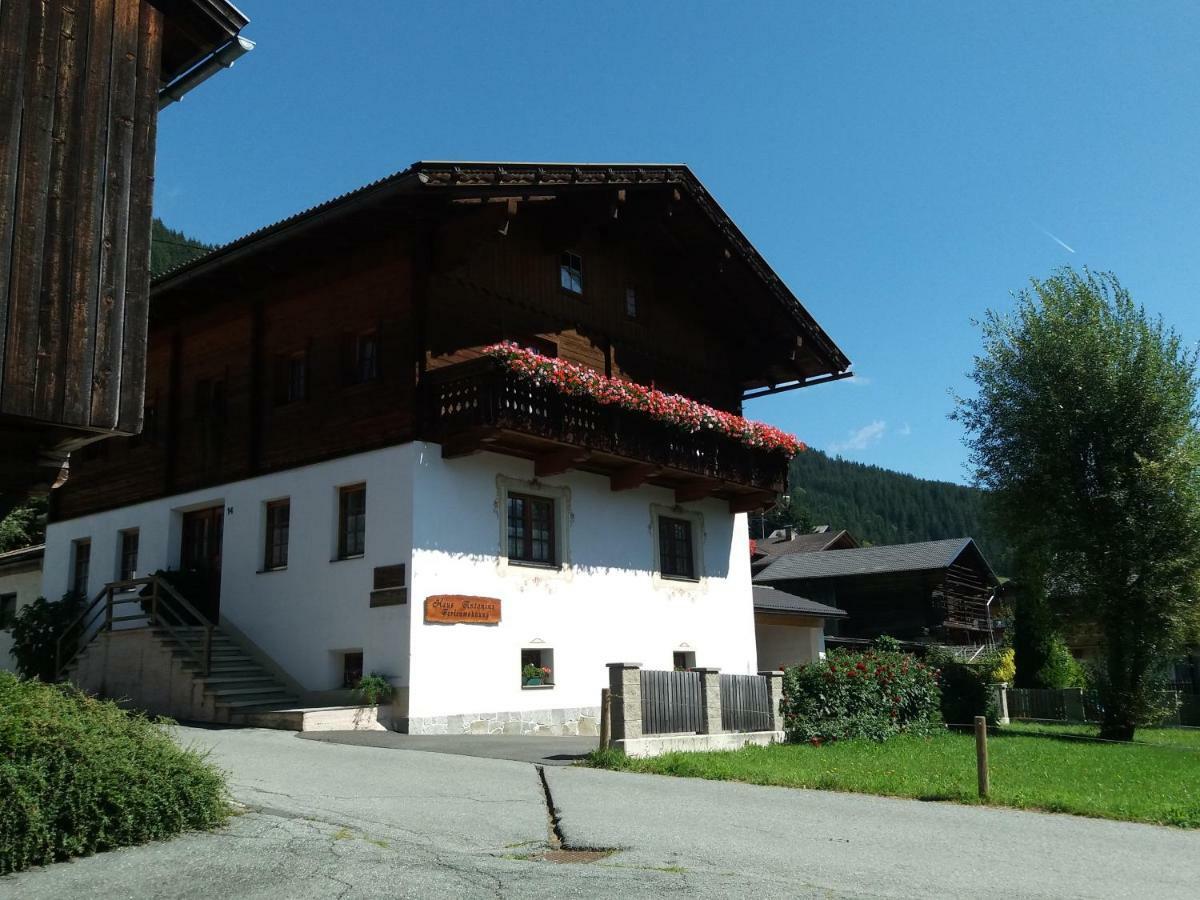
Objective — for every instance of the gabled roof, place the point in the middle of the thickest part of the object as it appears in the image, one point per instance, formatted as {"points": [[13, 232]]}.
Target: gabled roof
{"points": [[427, 178], [768, 599], [770, 548], [23, 557], [918, 557]]}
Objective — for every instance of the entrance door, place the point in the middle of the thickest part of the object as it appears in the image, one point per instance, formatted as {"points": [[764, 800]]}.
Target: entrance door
{"points": [[200, 556]]}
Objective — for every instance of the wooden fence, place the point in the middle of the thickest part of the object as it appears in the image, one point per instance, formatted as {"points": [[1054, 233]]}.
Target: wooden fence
{"points": [[672, 702], [745, 703]]}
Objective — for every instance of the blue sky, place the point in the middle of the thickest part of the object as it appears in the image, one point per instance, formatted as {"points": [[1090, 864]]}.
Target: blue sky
{"points": [[902, 166]]}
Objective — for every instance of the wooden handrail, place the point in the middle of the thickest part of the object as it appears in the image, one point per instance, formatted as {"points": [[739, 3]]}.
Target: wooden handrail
{"points": [[161, 591]]}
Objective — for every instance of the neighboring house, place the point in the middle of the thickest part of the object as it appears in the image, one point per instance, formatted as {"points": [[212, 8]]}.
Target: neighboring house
{"points": [[933, 591], [20, 584], [785, 541], [81, 85], [789, 630], [368, 490]]}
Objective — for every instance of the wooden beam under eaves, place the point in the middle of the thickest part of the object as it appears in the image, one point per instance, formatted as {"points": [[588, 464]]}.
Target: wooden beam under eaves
{"points": [[750, 502], [558, 461], [467, 443], [632, 476], [696, 490]]}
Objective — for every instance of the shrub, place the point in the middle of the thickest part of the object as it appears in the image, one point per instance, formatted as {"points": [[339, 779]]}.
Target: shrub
{"points": [[1002, 666], [35, 633], [1062, 669], [79, 775], [966, 688], [873, 694], [373, 688]]}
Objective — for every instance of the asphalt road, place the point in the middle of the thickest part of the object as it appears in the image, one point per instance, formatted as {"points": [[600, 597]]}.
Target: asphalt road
{"points": [[330, 820]]}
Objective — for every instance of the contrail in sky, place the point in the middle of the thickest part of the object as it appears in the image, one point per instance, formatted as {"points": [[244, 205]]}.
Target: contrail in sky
{"points": [[1056, 240]]}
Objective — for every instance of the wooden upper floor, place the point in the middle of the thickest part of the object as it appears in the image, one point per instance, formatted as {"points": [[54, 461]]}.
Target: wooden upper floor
{"points": [[79, 100], [320, 336]]}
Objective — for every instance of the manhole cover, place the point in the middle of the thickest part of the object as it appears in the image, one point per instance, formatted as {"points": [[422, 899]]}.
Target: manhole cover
{"points": [[572, 856]]}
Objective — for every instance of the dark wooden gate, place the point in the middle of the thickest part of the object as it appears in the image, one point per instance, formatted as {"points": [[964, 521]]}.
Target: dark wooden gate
{"points": [[672, 702], [745, 703]]}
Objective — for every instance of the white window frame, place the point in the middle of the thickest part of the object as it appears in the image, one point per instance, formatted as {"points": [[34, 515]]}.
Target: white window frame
{"points": [[561, 495], [659, 510]]}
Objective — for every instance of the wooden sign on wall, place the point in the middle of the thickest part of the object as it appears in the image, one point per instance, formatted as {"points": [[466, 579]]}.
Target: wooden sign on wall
{"points": [[449, 608]]}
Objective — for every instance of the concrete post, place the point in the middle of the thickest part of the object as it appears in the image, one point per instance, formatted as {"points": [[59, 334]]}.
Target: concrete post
{"points": [[710, 696], [775, 692], [625, 686], [1000, 690]]}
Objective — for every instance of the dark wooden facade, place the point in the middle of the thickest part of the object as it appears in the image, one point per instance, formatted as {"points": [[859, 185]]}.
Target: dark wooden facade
{"points": [[432, 265], [947, 604], [79, 86]]}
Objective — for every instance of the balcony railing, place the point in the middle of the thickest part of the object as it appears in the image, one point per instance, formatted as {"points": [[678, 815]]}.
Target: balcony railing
{"points": [[482, 405]]}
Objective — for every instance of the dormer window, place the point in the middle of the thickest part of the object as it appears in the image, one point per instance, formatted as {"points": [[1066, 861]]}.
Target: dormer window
{"points": [[571, 272]]}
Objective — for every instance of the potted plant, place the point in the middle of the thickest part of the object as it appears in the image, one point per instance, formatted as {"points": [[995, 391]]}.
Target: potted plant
{"points": [[533, 675]]}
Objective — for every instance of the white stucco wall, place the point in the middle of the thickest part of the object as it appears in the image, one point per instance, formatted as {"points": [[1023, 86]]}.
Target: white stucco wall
{"points": [[606, 605], [442, 519], [302, 616], [780, 646], [26, 583]]}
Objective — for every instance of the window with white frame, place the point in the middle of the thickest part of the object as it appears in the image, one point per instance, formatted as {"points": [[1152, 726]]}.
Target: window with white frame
{"points": [[570, 272], [677, 535]]}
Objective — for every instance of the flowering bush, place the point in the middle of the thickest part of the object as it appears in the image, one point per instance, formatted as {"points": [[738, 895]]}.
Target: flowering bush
{"points": [[579, 381], [873, 694]]}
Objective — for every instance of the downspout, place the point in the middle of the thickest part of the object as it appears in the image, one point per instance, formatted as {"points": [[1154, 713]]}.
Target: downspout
{"points": [[221, 58]]}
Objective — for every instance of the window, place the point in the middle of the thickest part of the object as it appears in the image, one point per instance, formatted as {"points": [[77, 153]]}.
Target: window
{"points": [[291, 378], [537, 667], [352, 521], [81, 558], [570, 272], [683, 660], [8, 611], [361, 357], [675, 556], [531, 530], [352, 668], [129, 555], [278, 517], [631, 303]]}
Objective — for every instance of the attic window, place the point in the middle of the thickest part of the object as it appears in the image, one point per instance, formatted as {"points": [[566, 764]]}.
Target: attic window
{"points": [[571, 272]]}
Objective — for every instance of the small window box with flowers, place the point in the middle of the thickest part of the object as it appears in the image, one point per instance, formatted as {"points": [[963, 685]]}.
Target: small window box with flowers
{"points": [[535, 676]]}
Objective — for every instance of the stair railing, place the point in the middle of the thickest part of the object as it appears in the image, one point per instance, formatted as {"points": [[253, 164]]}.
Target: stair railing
{"points": [[163, 607]]}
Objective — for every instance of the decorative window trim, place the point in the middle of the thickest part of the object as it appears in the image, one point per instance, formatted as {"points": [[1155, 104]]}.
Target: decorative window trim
{"points": [[657, 511], [561, 495]]}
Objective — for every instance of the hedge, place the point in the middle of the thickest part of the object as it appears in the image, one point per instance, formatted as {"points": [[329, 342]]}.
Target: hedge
{"points": [[80, 775], [873, 694]]}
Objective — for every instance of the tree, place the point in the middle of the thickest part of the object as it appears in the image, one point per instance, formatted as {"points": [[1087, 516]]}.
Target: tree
{"points": [[1084, 433], [24, 525]]}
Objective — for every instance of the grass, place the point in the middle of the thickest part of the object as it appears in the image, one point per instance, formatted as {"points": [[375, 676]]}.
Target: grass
{"points": [[1031, 767]]}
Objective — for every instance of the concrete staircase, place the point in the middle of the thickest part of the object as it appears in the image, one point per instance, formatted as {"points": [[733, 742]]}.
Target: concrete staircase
{"points": [[236, 683]]}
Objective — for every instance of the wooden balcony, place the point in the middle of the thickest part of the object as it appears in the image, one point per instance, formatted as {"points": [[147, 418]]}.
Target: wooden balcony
{"points": [[480, 405]]}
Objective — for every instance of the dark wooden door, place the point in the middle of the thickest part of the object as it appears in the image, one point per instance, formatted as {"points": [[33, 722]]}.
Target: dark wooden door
{"points": [[200, 555]]}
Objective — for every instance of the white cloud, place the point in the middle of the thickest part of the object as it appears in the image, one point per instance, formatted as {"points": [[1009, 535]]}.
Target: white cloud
{"points": [[862, 438], [905, 430], [859, 380]]}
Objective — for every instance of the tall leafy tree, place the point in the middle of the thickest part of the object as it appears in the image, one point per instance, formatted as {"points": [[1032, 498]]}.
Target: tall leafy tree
{"points": [[1084, 432]]}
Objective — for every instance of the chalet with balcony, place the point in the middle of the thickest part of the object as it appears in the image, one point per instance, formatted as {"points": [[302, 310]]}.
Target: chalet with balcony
{"points": [[926, 592], [468, 421]]}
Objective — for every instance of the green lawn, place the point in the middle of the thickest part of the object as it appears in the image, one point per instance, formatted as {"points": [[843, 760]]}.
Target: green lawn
{"points": [[1032, 767]]}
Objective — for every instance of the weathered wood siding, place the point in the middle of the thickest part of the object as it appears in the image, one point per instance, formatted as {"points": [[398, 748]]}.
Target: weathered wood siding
{"points": [[78, 104]]}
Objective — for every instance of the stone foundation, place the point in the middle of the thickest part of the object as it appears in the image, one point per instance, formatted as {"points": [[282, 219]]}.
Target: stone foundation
{"points": [[572, 720]]}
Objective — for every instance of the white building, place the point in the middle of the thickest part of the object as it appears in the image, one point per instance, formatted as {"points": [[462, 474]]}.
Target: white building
{"points": [[368, 495], [20, 585]]}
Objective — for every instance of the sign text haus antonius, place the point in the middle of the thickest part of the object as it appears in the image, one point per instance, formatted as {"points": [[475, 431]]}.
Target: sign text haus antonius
{"points": [[462, 608]]}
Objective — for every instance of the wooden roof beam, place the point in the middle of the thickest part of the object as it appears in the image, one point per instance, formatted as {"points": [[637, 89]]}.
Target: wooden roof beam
{"points": [[558, 461], [701, 489], [632, 476]]}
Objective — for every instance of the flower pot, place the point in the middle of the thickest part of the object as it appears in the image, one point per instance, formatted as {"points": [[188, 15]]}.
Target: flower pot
{"points": [[531, 682]]}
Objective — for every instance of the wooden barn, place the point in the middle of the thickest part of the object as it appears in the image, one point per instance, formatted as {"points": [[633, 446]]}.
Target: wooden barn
{"points": [[933, 591], [81, 85]]}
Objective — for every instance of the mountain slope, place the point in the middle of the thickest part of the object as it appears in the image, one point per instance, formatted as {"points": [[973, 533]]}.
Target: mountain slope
{"points": [[880, 506], [170, 248]]}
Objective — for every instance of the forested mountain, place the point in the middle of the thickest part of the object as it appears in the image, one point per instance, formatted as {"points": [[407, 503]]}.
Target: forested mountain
{"points": [[880, 506], [170, 248]]}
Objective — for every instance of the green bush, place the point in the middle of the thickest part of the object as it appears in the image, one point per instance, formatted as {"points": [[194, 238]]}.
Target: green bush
{"points": [[79, 775], [35, 633], [966, 688], [873, 694]]}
